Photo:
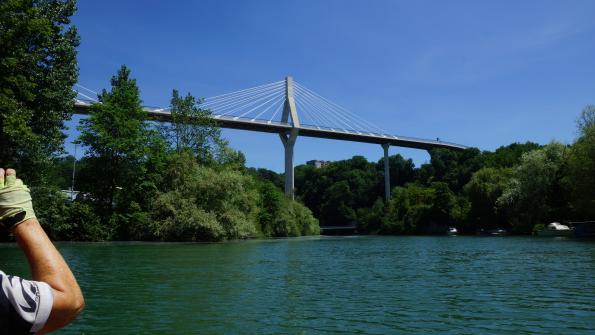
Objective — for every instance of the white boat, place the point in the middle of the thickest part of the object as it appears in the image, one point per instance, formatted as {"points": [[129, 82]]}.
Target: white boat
{"points": [[556, 229], [452, 231]]}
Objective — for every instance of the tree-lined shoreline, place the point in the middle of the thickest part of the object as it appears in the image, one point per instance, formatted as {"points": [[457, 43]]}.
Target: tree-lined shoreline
{"points": [[519, 187]]}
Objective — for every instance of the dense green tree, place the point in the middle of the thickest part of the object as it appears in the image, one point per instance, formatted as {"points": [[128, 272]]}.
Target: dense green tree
{"points": [[198, 203], [580, 179], [37, 72], [361, 176], [370, 220], [268, 175], [443, 203], [454, 167], [484, 189], [532, 195], [508, 156], [420, 209], [401, 171], [425, 174], [281, 217], [230, 158], [408, 207], [176, 217], [294, 219], [338, 205], [310, 185], [192, 128], [271, 202], [122, 149], [80, 223], [586, 120], [459, 213]]}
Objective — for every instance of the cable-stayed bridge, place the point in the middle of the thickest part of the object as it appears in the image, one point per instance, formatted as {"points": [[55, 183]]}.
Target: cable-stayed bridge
{"points": [[289, 109]]}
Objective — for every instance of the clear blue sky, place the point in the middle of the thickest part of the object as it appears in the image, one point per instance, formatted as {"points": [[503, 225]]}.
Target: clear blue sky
{"points": [[479, 73]]}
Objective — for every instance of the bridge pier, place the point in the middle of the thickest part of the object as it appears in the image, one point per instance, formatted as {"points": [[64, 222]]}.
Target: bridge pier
{"points": [[386, 173], [288, 141], [288, 138]]}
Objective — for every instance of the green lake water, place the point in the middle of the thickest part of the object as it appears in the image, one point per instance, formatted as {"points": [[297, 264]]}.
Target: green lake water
{"points": [[332, 285]]}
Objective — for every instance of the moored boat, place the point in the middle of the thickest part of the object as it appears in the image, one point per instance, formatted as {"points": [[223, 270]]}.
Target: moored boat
{"points": [[491, 232], [555, 229], [498, 232]]}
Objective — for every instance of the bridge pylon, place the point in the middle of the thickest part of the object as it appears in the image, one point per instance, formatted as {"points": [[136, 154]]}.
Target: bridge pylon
{"points": [[385, 146], [288, 138]]}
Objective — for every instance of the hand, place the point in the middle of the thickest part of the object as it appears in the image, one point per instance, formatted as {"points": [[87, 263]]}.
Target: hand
{"points": [[15, 200]]}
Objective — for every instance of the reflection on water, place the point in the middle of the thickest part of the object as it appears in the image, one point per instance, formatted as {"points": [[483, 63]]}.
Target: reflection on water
{"points": [[323, 285]]}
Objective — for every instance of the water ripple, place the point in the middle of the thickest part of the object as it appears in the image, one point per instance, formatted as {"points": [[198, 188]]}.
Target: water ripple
{"points": [[362, 285]]}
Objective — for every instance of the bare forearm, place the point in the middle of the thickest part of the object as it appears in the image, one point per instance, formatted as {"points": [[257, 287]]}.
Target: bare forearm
{"points": [[47, 265]]}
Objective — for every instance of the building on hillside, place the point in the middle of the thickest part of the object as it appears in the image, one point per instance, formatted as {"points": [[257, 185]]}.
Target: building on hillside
{"points": [[317, 163]]}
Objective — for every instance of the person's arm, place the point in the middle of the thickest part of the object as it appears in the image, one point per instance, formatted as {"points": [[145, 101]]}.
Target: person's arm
{"points": [[47, 265]]}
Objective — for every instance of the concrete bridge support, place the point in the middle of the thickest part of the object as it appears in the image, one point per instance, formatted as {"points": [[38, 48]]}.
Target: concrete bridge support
{"points": [[386, 173], [288, 138], [288, 141]]}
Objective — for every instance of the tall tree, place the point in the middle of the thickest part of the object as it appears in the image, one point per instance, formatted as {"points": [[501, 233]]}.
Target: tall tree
{"points": [[37, 71], [586, 120], [581, 167], [484, 189], [117, 141], [193, 129]]}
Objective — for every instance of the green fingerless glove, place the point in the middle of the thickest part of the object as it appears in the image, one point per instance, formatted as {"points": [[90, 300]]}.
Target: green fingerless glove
{"points": [[15, 202]]}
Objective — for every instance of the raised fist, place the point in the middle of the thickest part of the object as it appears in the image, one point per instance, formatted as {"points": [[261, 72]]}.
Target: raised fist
{"points": [[15, 200]]}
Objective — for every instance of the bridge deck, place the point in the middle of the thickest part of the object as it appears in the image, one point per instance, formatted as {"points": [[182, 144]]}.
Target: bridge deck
{"points": [[224, 121]]}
